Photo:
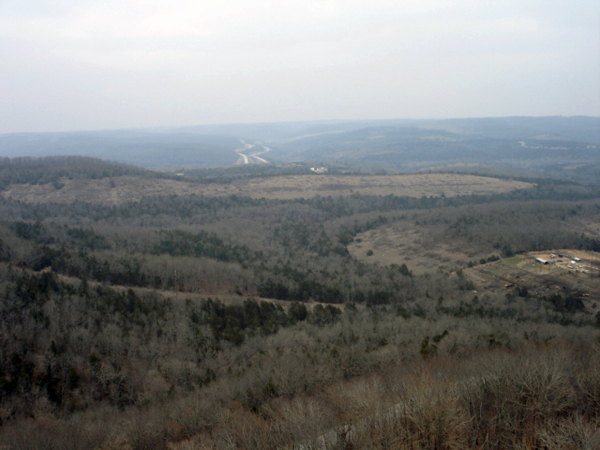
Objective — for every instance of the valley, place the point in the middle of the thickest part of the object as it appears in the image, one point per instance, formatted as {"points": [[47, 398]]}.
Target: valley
{"points": [[264, 306]]}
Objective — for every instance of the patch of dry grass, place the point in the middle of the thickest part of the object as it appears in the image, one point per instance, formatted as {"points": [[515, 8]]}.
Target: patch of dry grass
{"points": [[131, 188], [404, 242]]}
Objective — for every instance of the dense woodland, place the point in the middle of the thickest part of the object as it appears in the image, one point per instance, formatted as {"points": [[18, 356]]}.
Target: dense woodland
{"points": [[207, 323]]}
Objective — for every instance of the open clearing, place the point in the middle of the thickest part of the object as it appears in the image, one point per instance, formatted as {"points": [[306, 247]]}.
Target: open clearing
{"points": [[543, 279], [132, 188], [423, 251], [557, 261], [420, 248]]}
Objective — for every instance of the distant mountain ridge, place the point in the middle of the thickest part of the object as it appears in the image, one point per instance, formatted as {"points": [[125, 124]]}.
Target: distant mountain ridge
{"points": [[548, 144]]}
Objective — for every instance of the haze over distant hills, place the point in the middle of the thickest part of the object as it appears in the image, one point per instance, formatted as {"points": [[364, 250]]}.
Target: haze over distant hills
{"points": [[567, 146]]}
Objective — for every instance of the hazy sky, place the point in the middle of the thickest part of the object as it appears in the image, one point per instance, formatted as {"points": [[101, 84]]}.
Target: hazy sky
{"points": [[85, 64]]}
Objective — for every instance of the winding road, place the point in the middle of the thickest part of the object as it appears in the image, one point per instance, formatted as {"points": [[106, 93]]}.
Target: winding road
{"points": [[246, 156]]}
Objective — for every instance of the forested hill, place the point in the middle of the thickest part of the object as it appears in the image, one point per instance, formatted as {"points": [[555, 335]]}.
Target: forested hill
{"points": [[144, 148], [29, 170], [554, 146]]}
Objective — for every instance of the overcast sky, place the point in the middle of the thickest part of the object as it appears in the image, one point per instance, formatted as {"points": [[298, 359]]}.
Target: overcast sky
{"points": [[85, 64]]}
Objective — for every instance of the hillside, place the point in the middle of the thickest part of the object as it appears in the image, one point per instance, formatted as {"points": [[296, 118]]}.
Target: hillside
{"points": [[143, 148], [270, 308]]}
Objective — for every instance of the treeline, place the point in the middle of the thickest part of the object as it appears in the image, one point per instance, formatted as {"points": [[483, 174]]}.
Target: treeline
{"points": [[513, 227]]}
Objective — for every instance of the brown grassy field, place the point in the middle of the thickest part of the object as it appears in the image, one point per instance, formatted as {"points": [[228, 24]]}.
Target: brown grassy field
{"points": [[131, 188], [406, 243], [422, 250]]}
